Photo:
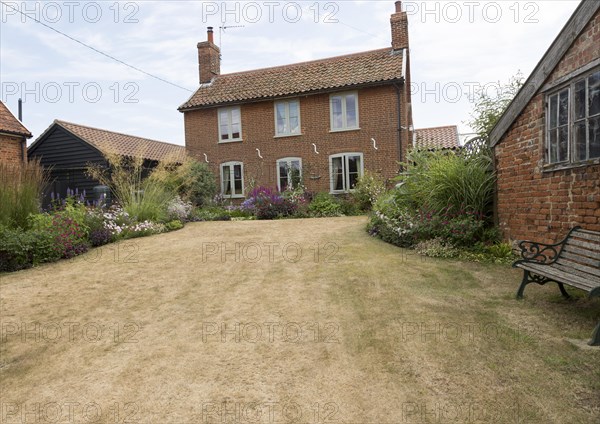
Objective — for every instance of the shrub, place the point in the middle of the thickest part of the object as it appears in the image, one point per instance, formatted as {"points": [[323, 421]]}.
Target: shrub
{"points": [[174, 225], [349, 206], [445, 180], [17, 248], [142, 229], [324, 205], [192, 180], [100, 237], [266, 203], [211, 213], [368, 190], [144, 199], [179, 209], [66, 227], [437, 248], [21, 189]]}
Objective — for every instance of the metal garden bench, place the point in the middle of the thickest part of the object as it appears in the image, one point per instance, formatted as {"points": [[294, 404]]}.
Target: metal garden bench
{"points": [[575, 261]]}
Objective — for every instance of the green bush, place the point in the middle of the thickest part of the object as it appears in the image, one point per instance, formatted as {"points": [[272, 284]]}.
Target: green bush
{"points": [[21, 189], [67, 230], [211, 213], [174, 225], [350, 206], [368, 190], [449, 181], [192, 180], [324, 205], [21, 249]]}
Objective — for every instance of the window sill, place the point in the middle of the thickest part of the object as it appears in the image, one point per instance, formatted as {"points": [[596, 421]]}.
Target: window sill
{"points": [[236, 196], [334, 193], [288, 135], [231, 141], [345, 130], [563, 166]]}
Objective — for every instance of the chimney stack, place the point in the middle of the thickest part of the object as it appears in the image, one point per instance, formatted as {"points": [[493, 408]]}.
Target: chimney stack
{"points": [[399, 22], [209, 58]]}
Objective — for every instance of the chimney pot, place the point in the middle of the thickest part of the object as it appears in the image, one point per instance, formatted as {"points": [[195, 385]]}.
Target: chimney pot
{"points": [[210, 35], [398, 6]]}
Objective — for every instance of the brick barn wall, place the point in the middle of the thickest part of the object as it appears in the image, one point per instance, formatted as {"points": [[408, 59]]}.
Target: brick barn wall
{"points": [[543, 205], [10, 149], [378, 119]]}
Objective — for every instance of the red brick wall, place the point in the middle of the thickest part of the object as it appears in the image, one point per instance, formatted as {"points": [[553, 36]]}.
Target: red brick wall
{"points": [[378, 119], [538, 204], [10, 149]]}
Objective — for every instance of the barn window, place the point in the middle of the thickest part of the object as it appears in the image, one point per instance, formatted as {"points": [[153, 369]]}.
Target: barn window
{"points": [[573, 121]]}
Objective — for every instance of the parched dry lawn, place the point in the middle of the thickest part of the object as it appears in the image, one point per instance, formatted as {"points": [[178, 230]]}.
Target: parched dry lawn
{"points": [[346, 330]]}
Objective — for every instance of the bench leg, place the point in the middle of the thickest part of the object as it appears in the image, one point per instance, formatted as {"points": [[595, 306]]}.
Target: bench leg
{"points": [[595, 337], [526, 280], [563, 291]]}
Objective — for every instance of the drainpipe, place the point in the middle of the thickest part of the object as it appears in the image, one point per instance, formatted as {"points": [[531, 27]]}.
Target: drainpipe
{"points": [[399, 98], [24, 140]]}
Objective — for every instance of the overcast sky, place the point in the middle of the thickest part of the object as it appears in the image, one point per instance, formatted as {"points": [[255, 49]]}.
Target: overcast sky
{"points": [[456, 46]]}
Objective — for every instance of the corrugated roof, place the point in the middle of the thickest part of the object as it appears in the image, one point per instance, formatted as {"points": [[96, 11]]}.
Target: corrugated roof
{"points": [[372, 67], [11, 125], [437, 138], [123, 144]]}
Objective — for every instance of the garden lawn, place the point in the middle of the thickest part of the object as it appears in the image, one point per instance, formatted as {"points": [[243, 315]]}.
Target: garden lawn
{"points": [[350, 330]]}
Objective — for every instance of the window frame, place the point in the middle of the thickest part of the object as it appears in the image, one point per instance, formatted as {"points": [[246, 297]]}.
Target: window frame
{"points": [[232, 165], [229, 109], [572, 153], [345, 126], [345, 172], [287, 117], [287, 160]]}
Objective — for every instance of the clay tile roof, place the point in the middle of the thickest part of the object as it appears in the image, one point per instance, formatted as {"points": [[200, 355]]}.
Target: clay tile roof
{"points": [[372, 67], [437, 138], [11, 125], [124, 144]]}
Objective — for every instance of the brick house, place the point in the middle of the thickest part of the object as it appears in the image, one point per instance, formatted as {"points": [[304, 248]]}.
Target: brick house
{"points": [[13, 138], [326, 121], [547, 143]]}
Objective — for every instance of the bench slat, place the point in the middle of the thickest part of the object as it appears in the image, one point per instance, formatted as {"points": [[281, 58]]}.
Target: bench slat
{"points": [[562, 276], [569, 262], [578, 273], [580, 259], [590, 246], [586, 234], [580, 251]]}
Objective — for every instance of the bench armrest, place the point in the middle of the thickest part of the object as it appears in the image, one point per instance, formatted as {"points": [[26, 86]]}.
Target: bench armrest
{"points": [[534, 252], [541, 253]]}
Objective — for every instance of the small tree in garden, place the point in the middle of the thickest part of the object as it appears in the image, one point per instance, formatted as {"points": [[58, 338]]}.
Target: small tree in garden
{"points": [[192, 180], [489, 107]]}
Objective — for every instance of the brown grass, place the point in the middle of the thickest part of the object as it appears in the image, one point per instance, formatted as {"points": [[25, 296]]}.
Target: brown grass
{"points": [[399, 339]]}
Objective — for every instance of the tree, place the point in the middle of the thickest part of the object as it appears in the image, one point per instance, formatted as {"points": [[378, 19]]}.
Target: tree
{"points": [[489, 107]]}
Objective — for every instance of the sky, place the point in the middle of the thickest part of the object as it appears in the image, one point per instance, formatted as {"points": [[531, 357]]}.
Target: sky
{"points": [[127, 66]]}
